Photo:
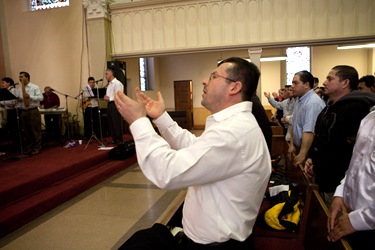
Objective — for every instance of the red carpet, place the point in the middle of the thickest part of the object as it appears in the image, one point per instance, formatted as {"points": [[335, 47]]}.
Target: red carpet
{"points": [[33, 185]]}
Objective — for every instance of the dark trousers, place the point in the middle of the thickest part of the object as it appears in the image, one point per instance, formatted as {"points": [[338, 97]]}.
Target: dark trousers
{"points": [[159, 237], [228, 245], [114, 122], [362, 240], [91, 122], [31, 129]]}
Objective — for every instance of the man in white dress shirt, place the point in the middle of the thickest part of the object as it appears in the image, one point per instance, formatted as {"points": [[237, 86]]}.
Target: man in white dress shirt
{"points": [[354, 198], [226, 169], [114, 117]]}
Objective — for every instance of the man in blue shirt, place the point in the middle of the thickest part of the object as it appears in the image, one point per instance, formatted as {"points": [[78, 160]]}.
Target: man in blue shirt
{"points": [[306, 110]]}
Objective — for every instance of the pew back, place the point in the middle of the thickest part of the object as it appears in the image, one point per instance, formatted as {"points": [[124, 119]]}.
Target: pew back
{"points": [[316, 231]]}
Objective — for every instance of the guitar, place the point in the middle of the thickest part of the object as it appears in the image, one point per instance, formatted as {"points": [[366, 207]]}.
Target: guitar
{"points": [[86, 103]]}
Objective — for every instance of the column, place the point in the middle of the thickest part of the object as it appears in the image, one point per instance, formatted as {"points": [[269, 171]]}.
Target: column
{"points": [[255, 54], [98, 35]]}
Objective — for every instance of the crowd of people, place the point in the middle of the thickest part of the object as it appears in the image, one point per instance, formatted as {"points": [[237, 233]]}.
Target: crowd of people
{"points": [[325, 149], [21, 120], [227, 168]]}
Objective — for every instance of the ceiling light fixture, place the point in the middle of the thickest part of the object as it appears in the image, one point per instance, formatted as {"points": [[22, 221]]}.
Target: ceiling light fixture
{"points": [[272, 59], [265, 59], [356, 46]]}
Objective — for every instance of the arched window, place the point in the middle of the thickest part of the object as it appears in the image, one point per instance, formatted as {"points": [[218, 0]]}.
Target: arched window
{"points": [[298, 58]]}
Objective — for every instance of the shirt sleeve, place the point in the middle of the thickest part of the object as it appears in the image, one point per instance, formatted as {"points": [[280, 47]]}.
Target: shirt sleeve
{"points": [[340, 188], [199, 163], [363, 219], [277, 105]]}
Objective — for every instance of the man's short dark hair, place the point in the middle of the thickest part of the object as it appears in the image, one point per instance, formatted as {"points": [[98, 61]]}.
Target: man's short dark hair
{"points": [[8, 80], [347, 72], [27, 75], [305, 77], [112, 70], [245, 72], [369, 80], [91, 78]]}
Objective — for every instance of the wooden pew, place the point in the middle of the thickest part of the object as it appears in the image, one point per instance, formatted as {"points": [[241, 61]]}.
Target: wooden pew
{"points": [[312, 232], [316, 230], [279, 145], [272, 239]]}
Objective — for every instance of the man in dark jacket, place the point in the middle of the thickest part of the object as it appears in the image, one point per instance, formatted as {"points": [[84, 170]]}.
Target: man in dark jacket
{"points": [[336, 129]]}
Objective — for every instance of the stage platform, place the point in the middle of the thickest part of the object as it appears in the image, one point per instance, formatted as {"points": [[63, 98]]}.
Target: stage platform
{"points": [[33, 185]]}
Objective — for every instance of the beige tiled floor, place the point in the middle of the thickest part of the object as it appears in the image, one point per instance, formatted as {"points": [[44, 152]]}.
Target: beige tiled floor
{"points": [[103, 217]]}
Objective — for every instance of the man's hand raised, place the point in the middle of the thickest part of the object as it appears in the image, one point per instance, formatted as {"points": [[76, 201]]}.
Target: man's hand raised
{"points": [[131, 110], [154, 108]]}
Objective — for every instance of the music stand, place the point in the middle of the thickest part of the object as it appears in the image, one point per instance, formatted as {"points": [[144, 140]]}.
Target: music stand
{"points": [[6, 95], [91, 95]]}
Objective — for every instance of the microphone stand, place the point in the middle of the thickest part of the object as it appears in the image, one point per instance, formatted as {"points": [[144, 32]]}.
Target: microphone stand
{"points": [[67, 114]]}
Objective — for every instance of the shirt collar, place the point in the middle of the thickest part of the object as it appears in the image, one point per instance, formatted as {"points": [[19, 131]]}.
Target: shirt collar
{"points": [[234, 109], [307, 95]]}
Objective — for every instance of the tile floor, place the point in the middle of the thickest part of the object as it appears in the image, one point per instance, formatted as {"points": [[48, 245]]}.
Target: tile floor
{"points": [[103, 217]]}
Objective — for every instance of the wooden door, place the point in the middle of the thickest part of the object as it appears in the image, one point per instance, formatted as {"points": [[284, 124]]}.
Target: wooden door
{"points": [[183, 100]]}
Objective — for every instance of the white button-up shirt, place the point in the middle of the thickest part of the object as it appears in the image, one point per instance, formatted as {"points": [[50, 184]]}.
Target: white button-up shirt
{"points": [[113, 87], [226, 170], [358, 186]]}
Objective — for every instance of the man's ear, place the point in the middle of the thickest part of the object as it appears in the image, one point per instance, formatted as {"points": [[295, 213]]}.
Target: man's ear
{"points": [[346, 83], [236, 87]]}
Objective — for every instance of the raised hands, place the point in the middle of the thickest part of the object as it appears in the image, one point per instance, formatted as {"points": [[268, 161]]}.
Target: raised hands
{"points": [[154, 108], [143, 105], [131, 110]]}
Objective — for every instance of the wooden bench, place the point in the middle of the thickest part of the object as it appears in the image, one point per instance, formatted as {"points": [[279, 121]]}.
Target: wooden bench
{"points": [[312, 232], [267, 238], [279, 145], [316, 230]]}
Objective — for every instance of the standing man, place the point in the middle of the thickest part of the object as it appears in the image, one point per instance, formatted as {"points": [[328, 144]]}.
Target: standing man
{"points": [[226, 169], [29, 99], [305, 112], [352, 212], [90, 108], [114, 117], [288, 112], [286, 105], [51, 101], [336, 129]]}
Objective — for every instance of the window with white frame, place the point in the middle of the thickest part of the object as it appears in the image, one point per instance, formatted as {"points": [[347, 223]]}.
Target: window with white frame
{"points": [[143, 73], [298, 58], [47, 4]]}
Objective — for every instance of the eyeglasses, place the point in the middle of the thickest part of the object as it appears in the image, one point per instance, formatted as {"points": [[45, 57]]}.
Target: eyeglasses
{"points": [[214, 75]]}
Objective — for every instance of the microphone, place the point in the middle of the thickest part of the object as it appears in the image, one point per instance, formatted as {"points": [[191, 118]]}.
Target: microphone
{"points": [[100, 80]]}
